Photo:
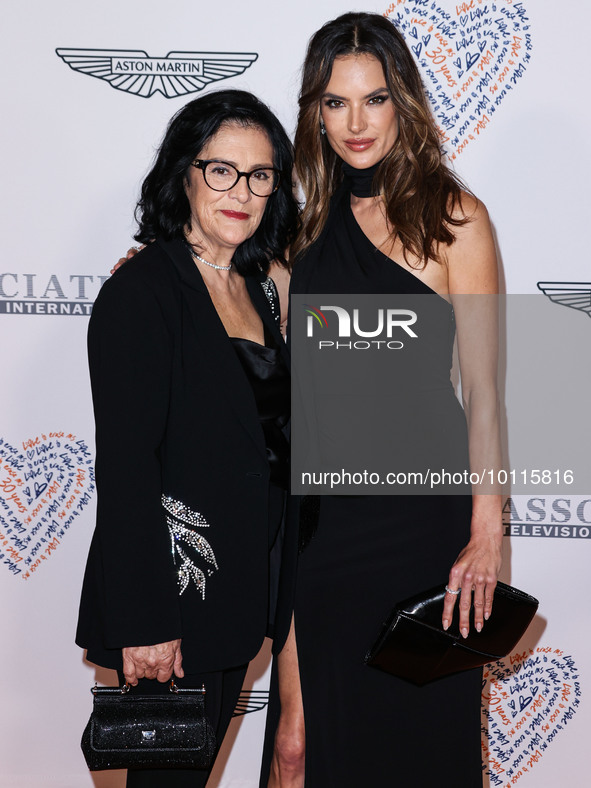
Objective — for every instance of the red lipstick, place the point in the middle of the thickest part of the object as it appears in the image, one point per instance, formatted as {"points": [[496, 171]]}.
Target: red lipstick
{"points": [[360, 144], [236, 215]]}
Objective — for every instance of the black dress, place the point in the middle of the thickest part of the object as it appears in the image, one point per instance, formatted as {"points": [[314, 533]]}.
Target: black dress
{"points": [[270, 381], [365, 728]]}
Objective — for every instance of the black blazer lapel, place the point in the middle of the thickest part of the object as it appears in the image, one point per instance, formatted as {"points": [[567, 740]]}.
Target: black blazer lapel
{"points": [[261, 304], [216, 349]]}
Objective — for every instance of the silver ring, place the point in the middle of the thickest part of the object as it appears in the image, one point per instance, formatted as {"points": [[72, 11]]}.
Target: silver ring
{"points": [[451, 591]]}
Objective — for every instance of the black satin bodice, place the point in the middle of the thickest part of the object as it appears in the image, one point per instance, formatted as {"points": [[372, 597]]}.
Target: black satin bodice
{"points": [[270, 382]]}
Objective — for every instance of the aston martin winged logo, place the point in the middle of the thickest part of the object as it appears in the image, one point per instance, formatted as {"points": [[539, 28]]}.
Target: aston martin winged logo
{"points": [[177, 74], [576, 295]]}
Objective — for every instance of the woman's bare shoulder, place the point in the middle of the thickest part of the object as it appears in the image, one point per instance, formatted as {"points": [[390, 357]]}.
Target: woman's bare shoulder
{"points": [[469, 208], [471, 258]]}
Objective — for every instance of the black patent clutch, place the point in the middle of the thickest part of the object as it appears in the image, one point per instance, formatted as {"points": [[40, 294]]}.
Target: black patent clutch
{"points": [[414, 646], [127, 730]]}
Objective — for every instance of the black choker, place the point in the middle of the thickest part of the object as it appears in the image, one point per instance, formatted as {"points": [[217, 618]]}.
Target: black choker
{"points": [[360, 182]]}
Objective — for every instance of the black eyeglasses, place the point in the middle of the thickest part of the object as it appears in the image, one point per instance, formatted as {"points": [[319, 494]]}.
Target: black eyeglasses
{"points": [[221, 176]]}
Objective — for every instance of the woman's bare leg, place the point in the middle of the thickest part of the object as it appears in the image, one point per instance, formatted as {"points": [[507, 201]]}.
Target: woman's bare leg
{"points": [[287, 766]]}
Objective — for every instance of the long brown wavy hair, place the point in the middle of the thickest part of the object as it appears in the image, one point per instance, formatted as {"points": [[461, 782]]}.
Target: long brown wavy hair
{"points": [[419, 190]]}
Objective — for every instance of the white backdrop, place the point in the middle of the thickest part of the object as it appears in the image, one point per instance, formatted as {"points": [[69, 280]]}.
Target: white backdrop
{"points": [[509, 85]]}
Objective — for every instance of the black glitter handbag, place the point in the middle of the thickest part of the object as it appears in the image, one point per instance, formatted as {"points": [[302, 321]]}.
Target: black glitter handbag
{"points": [[414, 646], [127, 730]]}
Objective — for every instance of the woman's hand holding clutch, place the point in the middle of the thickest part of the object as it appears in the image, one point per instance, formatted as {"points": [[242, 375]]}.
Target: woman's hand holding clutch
{"points": [[159, 661], [477, 567]]}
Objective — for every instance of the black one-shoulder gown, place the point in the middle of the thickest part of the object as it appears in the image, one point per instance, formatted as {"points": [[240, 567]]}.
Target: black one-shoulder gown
{"points": [[365, 728]]}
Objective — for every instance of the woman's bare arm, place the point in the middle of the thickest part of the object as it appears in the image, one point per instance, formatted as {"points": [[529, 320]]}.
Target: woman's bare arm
{"points": [[473, 285]]}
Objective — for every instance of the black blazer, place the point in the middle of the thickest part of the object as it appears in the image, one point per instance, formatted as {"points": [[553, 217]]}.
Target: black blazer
{"points": [[176, 417]]}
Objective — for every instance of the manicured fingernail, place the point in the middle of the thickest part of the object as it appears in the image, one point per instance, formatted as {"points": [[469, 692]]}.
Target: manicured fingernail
{"points": [[486, 616], [464, 633], [445, 623], [479, 627]]}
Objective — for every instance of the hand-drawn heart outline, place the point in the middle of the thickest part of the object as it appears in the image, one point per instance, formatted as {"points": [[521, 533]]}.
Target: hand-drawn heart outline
{"points": [[479, 50], [527, 699], [43, 489]]}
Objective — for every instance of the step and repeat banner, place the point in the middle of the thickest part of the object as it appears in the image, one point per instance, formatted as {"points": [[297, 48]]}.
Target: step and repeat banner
{"points": [[87, 91]]}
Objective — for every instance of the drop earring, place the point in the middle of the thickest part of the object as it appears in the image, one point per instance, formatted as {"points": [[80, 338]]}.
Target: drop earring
{"points": [[322, 126]]}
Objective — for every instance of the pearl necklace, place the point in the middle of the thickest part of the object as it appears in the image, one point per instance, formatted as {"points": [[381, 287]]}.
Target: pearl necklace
{"points": [[206, 262]]}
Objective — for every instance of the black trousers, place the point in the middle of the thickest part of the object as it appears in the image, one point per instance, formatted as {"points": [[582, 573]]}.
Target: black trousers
{"points": [[222, 690]]}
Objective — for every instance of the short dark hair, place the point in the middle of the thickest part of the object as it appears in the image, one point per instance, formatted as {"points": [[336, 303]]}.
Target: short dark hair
{"points": [[163, 208]]}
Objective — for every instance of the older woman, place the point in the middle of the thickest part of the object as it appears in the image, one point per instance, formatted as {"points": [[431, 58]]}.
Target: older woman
{"points": [[191, 396], [384, 214]]}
